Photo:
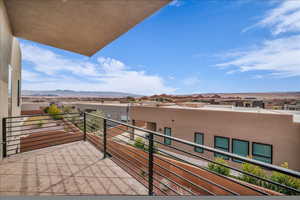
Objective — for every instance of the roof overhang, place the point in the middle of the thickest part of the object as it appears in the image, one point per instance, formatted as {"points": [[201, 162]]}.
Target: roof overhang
{"points": [[81, 26]]}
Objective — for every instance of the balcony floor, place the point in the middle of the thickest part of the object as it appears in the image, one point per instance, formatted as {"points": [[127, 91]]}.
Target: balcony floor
{"points": [[69, 169]]}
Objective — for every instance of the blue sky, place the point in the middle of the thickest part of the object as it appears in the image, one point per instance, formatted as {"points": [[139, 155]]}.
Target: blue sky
{"points": [[189, 46]]}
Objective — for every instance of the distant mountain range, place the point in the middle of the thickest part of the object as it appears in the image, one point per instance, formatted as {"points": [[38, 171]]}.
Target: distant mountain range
{"points": [[72, 93]]}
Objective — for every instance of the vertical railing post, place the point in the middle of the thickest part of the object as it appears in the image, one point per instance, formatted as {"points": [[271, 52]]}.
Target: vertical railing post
{"points": [[150, 165], [132, 130], [84, 126], [4, 137], [104, 138]]}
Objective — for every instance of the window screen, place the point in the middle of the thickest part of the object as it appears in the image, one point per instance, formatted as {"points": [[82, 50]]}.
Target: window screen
{"points": [[262, 152], [222, 143], [167, 131], [240, 147], [199, 139]]}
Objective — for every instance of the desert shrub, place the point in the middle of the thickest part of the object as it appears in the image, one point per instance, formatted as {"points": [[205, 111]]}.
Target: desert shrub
{"points": [[54, 111], [139, 143], [219, 168], [46, 109], [40, 123], [67, 109], [284, 180], [255, 170], [155, 148]]}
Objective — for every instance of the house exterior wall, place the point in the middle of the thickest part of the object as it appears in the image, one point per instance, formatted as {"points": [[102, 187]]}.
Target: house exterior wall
{"points": [[276, 129], [116, 112], [28, 106], [9, 55]]}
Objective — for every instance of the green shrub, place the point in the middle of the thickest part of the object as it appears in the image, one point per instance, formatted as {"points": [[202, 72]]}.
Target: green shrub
{"points": [[219, 168], [139, 143], [46, 109], [67, 109], [155, 148], [284, 180], [255, 170], [53, 110], [40, 123]]}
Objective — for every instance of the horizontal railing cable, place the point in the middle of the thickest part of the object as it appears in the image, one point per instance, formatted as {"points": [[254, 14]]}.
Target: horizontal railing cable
{"points": [[248, 160], [233, 168], [130, 167], [199, 187], [202, 178]]}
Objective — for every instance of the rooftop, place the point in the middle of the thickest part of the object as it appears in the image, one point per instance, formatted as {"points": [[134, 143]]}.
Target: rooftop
{"points": [[97, 103], [229, 108]]}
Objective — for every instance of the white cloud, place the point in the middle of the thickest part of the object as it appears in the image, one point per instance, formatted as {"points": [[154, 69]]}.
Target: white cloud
{"points": [[279, 56], [176, 3], [282, 19], [106, 74], [28, 76], [191, 81], [171, 77], [285, 18], [50, 63], [111, 65], [258, 77]]}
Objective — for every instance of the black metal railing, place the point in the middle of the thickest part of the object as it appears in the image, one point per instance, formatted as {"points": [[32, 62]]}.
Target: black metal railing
{"points": [[29, 132], [156, 150], [165, 169]]}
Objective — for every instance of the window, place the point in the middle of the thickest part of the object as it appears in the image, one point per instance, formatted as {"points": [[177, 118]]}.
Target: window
{"points": [[240, 147], [199, 139], [124, 118], [222, 143], [167, 131], [262, 152]]}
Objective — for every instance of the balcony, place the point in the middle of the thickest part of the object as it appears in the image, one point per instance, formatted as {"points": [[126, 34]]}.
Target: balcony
{"points": [[75, 168], [86, 154]]}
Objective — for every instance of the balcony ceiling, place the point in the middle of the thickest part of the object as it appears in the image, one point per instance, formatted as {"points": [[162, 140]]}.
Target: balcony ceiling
{"points": [[81, 26]]}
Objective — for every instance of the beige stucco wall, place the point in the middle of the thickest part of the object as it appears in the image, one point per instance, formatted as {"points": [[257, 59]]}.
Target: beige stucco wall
{"points": [[28, 106], [5, 54], [276, 129], [9, 54], [16, 75]]}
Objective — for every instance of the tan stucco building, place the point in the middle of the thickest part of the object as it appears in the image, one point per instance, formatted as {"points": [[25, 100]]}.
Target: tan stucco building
{"points": [[258, 132]]}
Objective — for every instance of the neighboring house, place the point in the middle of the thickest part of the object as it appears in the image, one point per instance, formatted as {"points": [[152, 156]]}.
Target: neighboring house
{"points": [[269, 136], [112, 110], [294, 106]]}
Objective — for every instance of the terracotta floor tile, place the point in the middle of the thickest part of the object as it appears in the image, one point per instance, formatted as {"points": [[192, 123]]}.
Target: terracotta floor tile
{"points": [[70, 169], [10, 183]]}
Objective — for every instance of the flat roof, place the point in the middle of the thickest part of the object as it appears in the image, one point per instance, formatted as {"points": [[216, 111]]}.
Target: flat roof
{"points": [[81, 26], [229, 108], [97, 104]]}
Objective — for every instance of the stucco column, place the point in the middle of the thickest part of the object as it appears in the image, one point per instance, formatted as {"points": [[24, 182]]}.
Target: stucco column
{"points": [[5, 56]]}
